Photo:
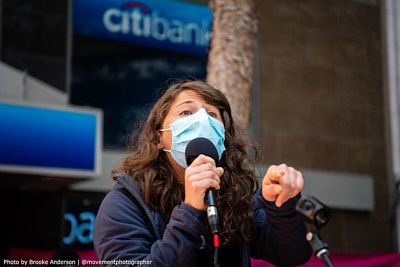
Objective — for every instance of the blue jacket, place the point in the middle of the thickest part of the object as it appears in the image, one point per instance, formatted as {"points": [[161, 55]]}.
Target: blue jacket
{"points": [[127, 229]]}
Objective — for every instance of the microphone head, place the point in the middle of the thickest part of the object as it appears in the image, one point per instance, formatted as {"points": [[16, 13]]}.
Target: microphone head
{"points": [[199, 146]]}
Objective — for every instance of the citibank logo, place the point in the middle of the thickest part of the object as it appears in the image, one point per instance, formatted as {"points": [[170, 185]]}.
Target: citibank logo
{"points": [[137, 19]]}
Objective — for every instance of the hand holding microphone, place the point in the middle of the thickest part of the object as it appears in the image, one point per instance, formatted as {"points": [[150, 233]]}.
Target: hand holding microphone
{"points": [[202, 177]]}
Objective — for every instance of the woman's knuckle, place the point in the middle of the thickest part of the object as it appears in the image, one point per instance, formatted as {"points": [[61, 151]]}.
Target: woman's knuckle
{"points": [[287, 183], [208, 173]]}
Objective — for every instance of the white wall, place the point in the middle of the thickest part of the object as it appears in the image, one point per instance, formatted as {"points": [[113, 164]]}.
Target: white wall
{"points": [[18, 85], [104, 182]]}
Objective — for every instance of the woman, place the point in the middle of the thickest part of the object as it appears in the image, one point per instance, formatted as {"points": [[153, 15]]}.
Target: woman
{"points": [[156, 210]]}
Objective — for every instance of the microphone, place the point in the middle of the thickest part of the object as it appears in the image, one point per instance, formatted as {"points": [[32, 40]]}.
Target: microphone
{"points": [[204, 146]]}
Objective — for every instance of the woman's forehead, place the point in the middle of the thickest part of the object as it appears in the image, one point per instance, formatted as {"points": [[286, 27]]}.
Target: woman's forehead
{"points": [[189, 97], [188, 94]]}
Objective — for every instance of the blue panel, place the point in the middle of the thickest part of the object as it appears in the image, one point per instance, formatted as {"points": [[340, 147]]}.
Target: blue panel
{"points": [[41, 137], [167, 24]]}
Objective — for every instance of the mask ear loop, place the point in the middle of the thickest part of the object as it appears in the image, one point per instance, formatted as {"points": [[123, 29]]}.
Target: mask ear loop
{"points": [[166, 129]]}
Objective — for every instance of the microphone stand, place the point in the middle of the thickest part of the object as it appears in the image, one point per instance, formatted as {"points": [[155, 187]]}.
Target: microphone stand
{"points": [[315, 215], [319, 247]]}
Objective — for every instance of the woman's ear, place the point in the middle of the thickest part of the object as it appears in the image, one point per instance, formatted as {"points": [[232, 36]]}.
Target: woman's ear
{"points": [[160, 144]]}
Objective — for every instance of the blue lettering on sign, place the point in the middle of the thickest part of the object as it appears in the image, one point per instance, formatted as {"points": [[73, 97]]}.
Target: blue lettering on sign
{"points": [[82, 232], [175, 25]]}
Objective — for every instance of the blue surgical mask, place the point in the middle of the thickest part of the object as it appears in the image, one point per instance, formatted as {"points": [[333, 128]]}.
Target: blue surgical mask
{"points": [[188, 128]]}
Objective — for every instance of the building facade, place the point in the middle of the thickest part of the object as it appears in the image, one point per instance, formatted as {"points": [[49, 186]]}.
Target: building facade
{"points": [[324, 102]]}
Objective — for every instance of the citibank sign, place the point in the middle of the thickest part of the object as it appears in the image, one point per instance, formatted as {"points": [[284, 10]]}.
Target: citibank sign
{"points": [[165, 24]]}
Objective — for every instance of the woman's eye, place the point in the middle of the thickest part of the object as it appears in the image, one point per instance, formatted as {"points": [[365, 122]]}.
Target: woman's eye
{"points": [[186, 112], [212, 114]]}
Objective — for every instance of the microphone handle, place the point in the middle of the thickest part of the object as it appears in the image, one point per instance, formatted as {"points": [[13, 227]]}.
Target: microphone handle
{"points": [[211, 197], [212, 213]]}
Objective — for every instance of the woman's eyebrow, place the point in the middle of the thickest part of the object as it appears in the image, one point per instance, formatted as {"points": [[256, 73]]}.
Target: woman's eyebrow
{"points": [[210, 106]]}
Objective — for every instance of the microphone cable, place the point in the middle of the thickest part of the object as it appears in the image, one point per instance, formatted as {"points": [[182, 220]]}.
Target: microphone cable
{"points": [[216, 249]]}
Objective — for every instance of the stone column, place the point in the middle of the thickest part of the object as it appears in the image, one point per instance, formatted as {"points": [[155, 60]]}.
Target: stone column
{"points": [[390, 10]]}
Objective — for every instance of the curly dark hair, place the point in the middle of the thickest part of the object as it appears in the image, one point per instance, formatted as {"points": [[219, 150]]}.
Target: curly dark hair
{"points": [[149, 166]]}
